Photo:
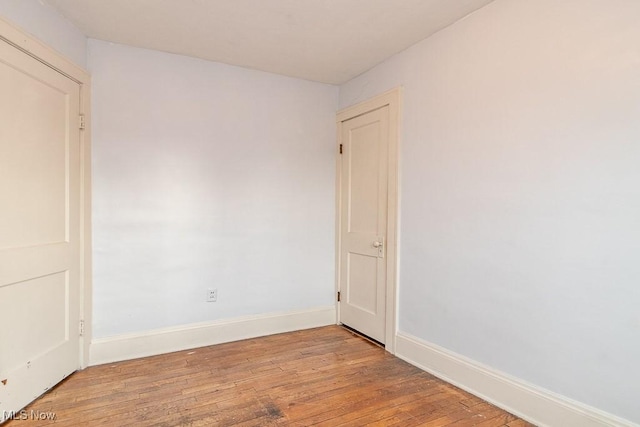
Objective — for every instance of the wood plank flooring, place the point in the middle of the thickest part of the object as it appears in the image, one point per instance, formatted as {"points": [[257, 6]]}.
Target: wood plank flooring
{"points": [[325, 377]]}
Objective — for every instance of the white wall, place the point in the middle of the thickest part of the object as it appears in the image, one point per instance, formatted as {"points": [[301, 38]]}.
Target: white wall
{"points": [[47, 24], [207, 176], [520, 215]]}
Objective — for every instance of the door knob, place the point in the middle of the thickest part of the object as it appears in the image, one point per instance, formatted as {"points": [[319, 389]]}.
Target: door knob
{"points": [[377, 244]]}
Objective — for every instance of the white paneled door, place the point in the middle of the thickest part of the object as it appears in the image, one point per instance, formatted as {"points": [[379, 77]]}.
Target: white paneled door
{"points": [[363, 222], [39, 228]]}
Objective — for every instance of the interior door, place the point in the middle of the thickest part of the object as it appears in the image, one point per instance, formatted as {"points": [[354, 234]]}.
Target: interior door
{"points": [[39, 228], [363, 222]]}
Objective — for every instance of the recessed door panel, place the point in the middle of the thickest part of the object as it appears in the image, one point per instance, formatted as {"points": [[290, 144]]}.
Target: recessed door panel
{"points": [[363, 176], [362, 272], [34, 154], [32, 335]]}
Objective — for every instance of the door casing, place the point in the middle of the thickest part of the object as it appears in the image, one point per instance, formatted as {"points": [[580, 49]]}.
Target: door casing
{"points": [[50, 57], [392, 99]]}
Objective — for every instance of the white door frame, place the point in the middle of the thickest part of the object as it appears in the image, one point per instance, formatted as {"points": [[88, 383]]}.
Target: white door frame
{"points": [[50, 57], [392, 99]]}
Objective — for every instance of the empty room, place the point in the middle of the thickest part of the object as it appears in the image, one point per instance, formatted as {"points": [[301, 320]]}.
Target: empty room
{"points": [[320, 212]]}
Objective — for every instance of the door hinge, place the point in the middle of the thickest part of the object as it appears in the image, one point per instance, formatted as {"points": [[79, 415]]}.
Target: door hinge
{"points": [[81, 328], [81, 122], [340, 148], [338, 296]]}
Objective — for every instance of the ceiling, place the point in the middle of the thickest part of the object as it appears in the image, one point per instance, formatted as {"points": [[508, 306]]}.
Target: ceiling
{"points": [[329, 41]]}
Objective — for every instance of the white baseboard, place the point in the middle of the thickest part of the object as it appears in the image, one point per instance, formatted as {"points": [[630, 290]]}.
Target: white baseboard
{"points": [[167, 340], [534, 404]]}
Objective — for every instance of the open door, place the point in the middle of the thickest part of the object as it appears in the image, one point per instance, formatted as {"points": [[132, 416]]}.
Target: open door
{"points": [[367, 206], [364, 222], [40, 227]]}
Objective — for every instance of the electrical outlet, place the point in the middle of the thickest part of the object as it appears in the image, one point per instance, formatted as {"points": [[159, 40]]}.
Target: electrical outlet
{"points": [[212, 295]]}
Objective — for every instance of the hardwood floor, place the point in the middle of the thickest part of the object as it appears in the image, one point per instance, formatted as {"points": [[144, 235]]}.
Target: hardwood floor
{"points": [[326, 377]]}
